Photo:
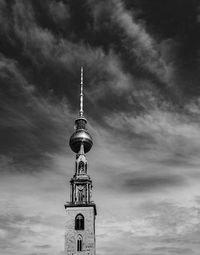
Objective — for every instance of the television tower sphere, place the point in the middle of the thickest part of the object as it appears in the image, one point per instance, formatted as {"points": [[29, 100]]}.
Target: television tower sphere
{"points": [[80, 136]]}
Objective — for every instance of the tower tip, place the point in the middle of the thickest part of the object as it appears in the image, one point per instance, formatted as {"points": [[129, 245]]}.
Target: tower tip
{"points": [[81, 94]]}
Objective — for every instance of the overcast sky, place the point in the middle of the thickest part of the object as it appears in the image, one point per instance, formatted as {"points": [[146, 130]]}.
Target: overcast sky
{"points": [[141, 63]]}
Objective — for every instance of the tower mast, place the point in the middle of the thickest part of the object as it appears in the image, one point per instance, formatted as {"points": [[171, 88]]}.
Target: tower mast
{"points": [[81, 94]]}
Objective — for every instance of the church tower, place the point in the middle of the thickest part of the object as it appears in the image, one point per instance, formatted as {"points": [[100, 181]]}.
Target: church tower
{"points": [[80, 211]]}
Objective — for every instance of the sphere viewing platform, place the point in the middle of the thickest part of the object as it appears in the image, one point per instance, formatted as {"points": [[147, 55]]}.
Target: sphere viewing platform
{"points": [[80, 136]]}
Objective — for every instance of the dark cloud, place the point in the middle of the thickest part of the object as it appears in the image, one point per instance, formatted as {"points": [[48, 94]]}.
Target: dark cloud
{"points": [[42, 51], [18, 230], [169, 18], [40, 61], [50, 60], [176, 20], [129, 72], [43, 246], [15, 226], [46, 50], [29, 122], [144, 181], [173, 250], [40, 253]]}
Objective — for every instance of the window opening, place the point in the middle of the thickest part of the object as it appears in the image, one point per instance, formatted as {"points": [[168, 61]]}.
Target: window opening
{"points": [[79, 243], [79, 222]]}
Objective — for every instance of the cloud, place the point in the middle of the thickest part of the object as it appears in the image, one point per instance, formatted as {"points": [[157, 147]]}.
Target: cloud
{"points": [[164, 226], [27, 233], [43, 246], [52, 53], [147, 182], [166, 130], [173, 250], [31, 124], [60, 12], [142, 47]]}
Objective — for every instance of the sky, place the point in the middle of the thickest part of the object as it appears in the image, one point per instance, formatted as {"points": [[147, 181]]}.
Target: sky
{"points": [[141, 62]]}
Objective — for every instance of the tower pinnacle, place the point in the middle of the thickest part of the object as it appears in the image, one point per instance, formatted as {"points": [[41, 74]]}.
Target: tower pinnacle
{"points": [[81, 94]]}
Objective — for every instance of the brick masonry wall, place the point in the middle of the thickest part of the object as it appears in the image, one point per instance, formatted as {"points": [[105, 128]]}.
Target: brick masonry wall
{"points": [[88, 234]]}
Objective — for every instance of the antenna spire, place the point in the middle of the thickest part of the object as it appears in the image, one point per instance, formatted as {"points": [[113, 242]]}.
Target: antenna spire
{"points": [[81, 94]]}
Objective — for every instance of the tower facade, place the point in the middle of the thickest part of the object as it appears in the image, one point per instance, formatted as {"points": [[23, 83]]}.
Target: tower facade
{"points": [[80, 210]]}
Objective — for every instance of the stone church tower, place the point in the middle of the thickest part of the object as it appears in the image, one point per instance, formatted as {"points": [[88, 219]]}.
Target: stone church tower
{"points": [[80, 211]]}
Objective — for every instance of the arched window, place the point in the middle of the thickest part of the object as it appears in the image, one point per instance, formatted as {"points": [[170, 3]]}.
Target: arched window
{"points": [[79, 222], [81, 167], [79, 243]]}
